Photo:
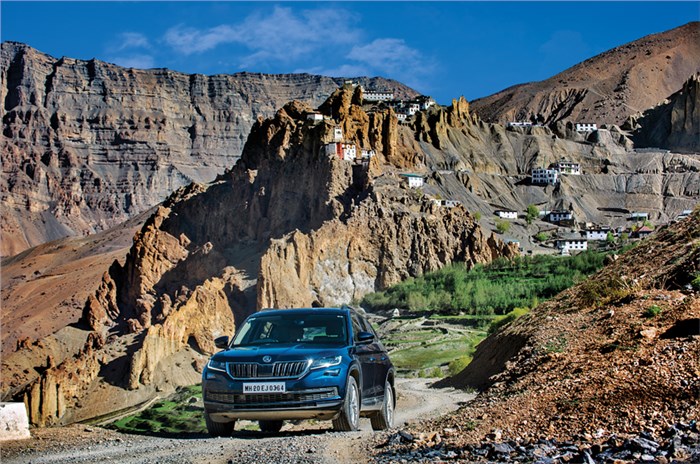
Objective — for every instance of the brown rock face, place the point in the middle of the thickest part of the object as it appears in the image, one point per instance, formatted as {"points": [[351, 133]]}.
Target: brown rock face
{"points": [[674, 124], [382, 243], [607, 88], [87, 144]]}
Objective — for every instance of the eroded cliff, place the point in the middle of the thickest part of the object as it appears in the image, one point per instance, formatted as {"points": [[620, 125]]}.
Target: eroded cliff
{"points": [[88, 144]]}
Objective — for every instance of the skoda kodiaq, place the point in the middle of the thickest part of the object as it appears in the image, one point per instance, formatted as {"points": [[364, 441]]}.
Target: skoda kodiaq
{"points": [[321, 363]]}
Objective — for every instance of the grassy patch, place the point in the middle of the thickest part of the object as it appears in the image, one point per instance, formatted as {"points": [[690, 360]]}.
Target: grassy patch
{"points": [[494, 289], [428, 355], [174, 416]]}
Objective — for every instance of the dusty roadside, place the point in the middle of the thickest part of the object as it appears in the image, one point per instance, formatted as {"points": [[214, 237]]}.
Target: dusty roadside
{"points": [[297, 443]]}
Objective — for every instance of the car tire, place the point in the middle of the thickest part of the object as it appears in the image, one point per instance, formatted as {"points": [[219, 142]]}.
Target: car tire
{"points": [[349, 418], [270, 426], [219, 429], [384, 418]]}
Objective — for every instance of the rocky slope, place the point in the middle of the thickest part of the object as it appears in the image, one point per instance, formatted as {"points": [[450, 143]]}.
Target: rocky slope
{"points": [[673, 124], [287, 226], [88, 144], [607, 88], [614, 357]]}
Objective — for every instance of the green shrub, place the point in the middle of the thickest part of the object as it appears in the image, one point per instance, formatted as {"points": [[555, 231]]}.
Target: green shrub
{"points": [[502, 226], [477, 216], [652, 311], [542, 237], [532, 213]]}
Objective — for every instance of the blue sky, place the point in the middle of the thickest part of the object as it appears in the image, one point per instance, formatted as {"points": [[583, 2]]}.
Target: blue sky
{"points": [[444, 49]]}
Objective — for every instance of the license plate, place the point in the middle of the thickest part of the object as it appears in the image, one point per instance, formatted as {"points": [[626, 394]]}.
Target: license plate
{"points": [[264, 387]]}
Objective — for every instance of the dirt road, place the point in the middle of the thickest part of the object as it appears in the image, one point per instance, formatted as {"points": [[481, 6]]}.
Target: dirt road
{"points": [[313, 443]]}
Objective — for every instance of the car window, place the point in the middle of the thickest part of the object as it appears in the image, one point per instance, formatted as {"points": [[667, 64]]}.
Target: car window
{"points": [[292, 328], [356, 327], [367, 327]]}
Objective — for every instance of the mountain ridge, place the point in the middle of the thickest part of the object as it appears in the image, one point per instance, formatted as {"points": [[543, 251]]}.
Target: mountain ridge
{"points": [[606, 88]]}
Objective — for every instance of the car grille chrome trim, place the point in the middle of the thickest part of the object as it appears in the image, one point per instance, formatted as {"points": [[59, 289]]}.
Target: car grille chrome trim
{"points": [[278, 370], [272, 400]]}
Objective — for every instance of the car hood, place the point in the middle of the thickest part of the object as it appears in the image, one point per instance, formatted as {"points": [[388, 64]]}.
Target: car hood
{"points": [[278, 352]]}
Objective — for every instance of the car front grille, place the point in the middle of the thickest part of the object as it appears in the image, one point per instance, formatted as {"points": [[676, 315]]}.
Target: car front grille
{"points": [[278, 370], [271, 400]]}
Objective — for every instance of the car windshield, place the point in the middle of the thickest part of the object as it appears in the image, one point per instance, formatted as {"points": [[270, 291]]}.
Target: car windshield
{"points": [[292, 328]]}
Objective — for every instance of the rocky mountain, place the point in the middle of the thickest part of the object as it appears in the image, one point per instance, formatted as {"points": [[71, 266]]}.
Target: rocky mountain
{"points": [[607, 88], [673, 124], [287, 226], [613, 357], [88, 144]]}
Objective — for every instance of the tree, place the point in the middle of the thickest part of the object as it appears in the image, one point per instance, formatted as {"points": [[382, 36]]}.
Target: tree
{"points": [[610, 238], [541, 237], [502, 226], [532, 213]]}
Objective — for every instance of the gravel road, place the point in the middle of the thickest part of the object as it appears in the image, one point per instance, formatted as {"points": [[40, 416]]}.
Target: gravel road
{"points": [[306, 442]]}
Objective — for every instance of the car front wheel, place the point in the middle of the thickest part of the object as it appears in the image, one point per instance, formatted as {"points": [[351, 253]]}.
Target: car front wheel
{"points": [[219, 429], [349, 418], [384, 418]]}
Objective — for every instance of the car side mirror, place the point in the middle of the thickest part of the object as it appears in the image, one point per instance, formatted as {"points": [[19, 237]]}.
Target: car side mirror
{"points": [[221, 342], [365, 337]]}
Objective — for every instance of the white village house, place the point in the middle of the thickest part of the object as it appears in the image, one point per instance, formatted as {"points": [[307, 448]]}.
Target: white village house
{"points": [[544, 176], [568, 167], [446, 203], [599, 233], [507, 214], [567, 245], [560, 215], [519, 124], [586, 127], [377, 96], [413, 180]]}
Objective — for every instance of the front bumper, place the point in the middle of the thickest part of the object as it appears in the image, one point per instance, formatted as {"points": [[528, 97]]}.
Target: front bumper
{"points": [[318, 403], [315, 396]]}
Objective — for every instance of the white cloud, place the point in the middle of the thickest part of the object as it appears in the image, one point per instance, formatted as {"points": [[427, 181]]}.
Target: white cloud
{"points": [[281, 36], [187, 40], [345, 70], [138, 61], [388, 55], [133, 40]]}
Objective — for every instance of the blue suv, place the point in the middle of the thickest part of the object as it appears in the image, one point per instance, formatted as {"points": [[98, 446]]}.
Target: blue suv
{"points": [[320, 363]]}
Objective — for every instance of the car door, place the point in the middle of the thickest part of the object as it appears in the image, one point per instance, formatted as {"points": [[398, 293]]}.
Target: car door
{"points": [[365, 355], [378, 359]]}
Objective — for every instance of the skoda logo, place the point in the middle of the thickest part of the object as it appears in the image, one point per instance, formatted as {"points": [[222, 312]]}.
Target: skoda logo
{"points": [[267, 359]]}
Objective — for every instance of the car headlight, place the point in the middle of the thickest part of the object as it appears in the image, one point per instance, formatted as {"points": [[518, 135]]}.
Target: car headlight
{"points": [[329, 361], [217, 365]]}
